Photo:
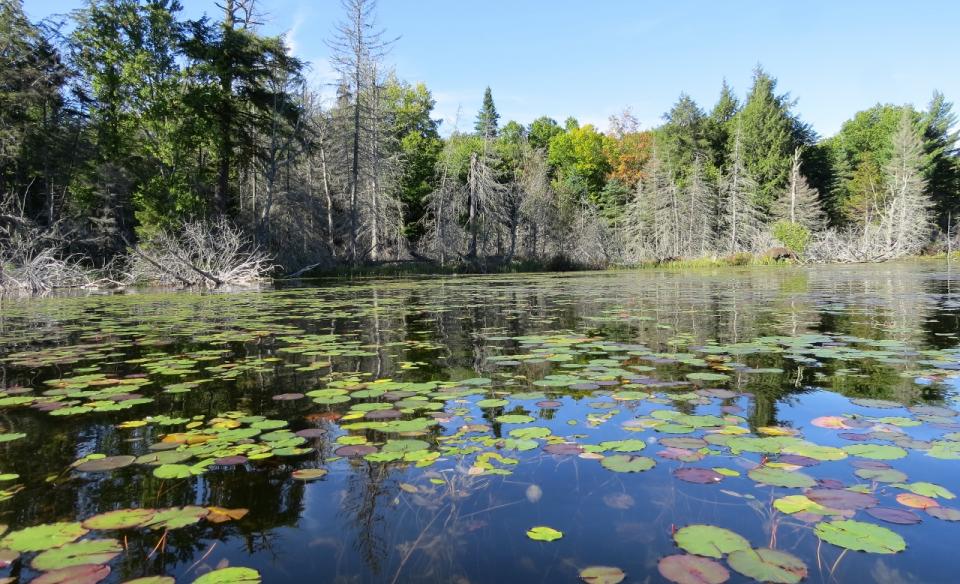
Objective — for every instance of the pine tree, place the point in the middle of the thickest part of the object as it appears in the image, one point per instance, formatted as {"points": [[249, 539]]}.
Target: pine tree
{"points": [[488, 117], [799, 202]]}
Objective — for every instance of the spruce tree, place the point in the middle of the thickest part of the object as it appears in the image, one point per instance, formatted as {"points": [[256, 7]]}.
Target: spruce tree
{"points": [[768, 135], [487, 118]]}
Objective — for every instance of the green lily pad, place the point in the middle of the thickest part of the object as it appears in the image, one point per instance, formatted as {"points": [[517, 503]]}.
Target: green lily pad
{"points": [[627, 463], [514, 419], [876, 451], [42, 537], [177, 517], [235, 575], [860, 536], [779, 477], [403, 446], [926, 489], [709, 540], [172, 471], [543, 533], [623, 445], [90, 551], [120, 519], [881, 475], [767, 565], [492, 403]]}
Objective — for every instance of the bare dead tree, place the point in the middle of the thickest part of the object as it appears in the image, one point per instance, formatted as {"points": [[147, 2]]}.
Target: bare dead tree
{"points": [[741, 220], [357, 45], [800, 203]]}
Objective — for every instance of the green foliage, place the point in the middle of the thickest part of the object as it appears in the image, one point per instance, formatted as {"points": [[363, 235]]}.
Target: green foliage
{"points": [[487, 117], [770, 133], [542, 130], [579, 157], [793, 236]]}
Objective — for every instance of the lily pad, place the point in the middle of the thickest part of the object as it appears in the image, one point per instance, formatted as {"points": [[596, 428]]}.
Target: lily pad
{"points": [[702, 476], [841, 498], [234, 575], [876, 451], [892, 515], [543, 533], [627, 463], [177, 517], [689, 569], [767, 565], [309, 474], [860, 536], [602, 575], [106, 464], [90, 551], [42, 537], [84, 574], [781, 478], [120, 519], [945, 513], [709, 540]]}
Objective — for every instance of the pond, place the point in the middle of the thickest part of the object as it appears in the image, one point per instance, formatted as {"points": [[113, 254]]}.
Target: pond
{"points": [[776, 424]]}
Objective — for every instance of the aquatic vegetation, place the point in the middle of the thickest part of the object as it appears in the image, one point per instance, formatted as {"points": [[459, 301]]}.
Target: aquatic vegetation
{"points": [[151, 436]]}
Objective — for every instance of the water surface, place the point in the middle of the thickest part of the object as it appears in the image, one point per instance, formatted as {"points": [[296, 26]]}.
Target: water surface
{"points": [[452, 415]]}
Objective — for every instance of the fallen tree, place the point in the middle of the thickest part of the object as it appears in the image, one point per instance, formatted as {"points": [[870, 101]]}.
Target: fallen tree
{"points": [[200, 254]]}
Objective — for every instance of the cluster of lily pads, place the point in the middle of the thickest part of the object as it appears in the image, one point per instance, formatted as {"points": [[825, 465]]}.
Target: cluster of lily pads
{"points": [[62, 552]]}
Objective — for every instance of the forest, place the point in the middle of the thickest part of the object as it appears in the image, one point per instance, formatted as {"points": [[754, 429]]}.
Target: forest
{"points": [[137, 145]]}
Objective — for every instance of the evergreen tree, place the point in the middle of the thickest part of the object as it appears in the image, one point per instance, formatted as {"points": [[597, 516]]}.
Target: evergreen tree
{"points": [[718, 125], [683, 137], [768, 136], [941, 141], [487, 117]]}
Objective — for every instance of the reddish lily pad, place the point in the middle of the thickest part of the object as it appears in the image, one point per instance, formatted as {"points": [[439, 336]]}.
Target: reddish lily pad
{"points": [[355, 450], [84, 574], [892, 515], [702, 476], [602, 575], [945, 513], [106, 464], [689, 569], [841, 498], [311, 433], [563, 449]]}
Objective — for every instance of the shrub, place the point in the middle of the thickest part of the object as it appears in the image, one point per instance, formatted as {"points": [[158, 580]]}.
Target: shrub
{"points": [[793, 236]]}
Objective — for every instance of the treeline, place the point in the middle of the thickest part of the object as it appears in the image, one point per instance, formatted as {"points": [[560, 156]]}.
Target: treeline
{"points": [[138, 125]]}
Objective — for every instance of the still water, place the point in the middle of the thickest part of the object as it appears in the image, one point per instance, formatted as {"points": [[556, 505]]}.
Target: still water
{"points": [[664, 425]]}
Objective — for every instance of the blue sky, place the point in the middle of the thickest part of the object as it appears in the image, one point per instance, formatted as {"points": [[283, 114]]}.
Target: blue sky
{"points": [[591, 59]]}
